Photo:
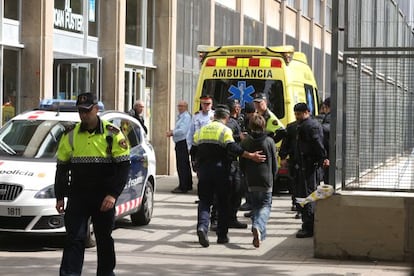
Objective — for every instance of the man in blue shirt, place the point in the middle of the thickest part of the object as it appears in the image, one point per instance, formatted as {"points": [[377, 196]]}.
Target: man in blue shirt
{"points": [[179, 134]]}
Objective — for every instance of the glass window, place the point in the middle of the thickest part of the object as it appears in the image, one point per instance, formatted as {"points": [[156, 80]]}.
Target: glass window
{"points": [[310, 100], [31, 138], [10, 84], [93, 17], [133, 22], [317, 11], [291, 3], [72, 9], [231, 88], [193, 28], [127, 128], [253, 32], [130, 130], [328, 14], [305, 7], [150, 23], [59, 4], [274, 37], [11, 9], [227, 27]]}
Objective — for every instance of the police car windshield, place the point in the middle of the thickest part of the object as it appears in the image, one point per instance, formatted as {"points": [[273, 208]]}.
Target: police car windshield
{"points": [[31, 139], [244, 90]]}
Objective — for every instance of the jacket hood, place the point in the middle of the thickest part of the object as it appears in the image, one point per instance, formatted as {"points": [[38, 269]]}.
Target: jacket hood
{"points": [[258, 136]]}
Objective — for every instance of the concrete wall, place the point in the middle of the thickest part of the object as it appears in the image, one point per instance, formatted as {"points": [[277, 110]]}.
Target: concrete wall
{"points": [[163, 99], [375, 227], [37, 55], [112, 51]]}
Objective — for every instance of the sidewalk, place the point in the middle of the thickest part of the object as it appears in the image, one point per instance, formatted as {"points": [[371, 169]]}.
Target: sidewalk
{"points": [[168, 245], [281, 249]]}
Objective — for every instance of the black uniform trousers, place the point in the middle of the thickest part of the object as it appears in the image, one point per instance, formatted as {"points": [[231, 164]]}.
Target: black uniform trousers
{"points": [[80, 208], [306, 180], [236, 190], [236, 193], [213, 181], [183, 166]]}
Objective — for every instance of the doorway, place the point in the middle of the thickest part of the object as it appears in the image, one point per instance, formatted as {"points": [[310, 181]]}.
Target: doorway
{"points": [[72, 77], [134, 87]]}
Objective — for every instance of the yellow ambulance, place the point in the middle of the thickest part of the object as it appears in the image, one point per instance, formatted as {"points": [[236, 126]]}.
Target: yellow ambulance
{"points": [[241, 71]]}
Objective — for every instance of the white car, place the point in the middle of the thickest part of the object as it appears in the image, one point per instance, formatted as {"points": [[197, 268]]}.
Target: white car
{"points": [[28, 145]]}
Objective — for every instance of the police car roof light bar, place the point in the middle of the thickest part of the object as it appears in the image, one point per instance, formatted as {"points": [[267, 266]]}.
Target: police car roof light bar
{"points": [[63, 105]]}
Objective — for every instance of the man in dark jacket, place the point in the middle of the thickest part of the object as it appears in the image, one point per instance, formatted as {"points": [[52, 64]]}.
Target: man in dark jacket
{"points": [[236, 191], [137, 112], [310, 154], [326, 127], [287, 159]]}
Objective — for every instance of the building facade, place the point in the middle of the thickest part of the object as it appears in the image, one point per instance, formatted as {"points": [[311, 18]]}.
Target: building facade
{"points": [[124, 50], [60, 48]]}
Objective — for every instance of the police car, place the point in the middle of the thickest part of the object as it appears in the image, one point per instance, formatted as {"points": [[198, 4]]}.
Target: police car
{"points": [[28, 145]]}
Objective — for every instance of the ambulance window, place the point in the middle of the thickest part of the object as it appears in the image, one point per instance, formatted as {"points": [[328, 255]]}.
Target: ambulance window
{"points": [[310, 99], [244, 90], [276, 99]]}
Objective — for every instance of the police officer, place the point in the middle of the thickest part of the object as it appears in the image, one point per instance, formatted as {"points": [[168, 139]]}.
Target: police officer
{"points": [[213, 144], [287, 159], [236, 191], [326, 127], [92, 169], [310, 154], [274, 128], [200, 118]]}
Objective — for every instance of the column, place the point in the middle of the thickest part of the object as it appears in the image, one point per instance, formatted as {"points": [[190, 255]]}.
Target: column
{"points": [[37, 55], [112, 51]]}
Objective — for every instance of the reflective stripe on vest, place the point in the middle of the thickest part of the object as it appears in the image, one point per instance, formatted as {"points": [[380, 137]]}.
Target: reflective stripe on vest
{"points": [[214, 133]]}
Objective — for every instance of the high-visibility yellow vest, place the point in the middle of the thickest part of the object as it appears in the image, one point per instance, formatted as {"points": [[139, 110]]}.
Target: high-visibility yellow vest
{"points": [[273, 123], [8, 112], [106, 145], [214, 133]]}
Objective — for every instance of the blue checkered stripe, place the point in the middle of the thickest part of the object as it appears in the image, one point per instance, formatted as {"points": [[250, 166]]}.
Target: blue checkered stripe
{"points": [[96, 159]]}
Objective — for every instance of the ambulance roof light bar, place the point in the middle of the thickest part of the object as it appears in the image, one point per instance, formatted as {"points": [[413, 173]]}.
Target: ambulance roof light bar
{"points": [[287, 51], [204, 49]]}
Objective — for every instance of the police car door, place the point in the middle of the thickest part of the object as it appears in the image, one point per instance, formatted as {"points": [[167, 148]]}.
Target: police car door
{"points": [[130, 199]]}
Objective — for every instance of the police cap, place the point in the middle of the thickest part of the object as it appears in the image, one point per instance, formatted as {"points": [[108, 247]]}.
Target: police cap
{"points": [[86, 101], [259, 97], [221, 111], [301, 107]]}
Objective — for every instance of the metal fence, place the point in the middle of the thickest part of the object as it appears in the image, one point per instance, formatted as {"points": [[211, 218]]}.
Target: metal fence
{"points": [[373, 88], [378, 126]]}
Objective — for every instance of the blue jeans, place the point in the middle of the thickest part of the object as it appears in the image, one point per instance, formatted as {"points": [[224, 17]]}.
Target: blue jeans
{"points": [[261, 203]]}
